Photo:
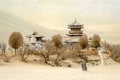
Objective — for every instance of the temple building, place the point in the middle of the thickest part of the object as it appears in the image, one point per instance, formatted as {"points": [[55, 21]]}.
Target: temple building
{"points": [[35, 38], [75, 32]]}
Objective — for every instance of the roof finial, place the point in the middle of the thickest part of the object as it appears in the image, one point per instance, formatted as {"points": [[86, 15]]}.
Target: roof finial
{"points": [[35, 33], [75, 20]]}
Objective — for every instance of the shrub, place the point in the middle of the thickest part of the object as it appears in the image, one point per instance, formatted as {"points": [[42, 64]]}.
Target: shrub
{"points": [[57, 40], [83, 41], [96, 40], [114, 51]]}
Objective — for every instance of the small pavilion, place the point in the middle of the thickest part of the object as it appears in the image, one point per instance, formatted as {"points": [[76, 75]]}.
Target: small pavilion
{"points": [[35, 38]]}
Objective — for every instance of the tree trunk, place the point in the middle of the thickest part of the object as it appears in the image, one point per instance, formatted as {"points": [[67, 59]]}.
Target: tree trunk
{"points": [[46, 60], [15, 51]]}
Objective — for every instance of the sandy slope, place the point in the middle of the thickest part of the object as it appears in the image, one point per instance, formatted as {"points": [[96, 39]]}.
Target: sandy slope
{"points": [[27, 71], [10, 23]]}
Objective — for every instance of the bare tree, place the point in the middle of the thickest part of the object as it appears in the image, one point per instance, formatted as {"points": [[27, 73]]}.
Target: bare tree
{"points": [[3, 50], [26, 50], [49, 50], [16, 40], [3, 47], [115, 52], [83, 41], [57, 40], [96, 40]]}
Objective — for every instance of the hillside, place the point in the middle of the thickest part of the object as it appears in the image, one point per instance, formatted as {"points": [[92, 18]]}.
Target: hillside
{"points": [[10, 23]]}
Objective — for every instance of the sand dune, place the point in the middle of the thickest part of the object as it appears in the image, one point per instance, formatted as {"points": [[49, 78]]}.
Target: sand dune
{"points": [[27, 71], [10, 23]]}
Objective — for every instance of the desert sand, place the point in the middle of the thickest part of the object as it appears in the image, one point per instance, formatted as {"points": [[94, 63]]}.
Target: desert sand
{"points": [[29, 71]]}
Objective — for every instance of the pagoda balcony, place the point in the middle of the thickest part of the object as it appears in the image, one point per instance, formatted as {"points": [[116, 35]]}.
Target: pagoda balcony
{"points": [[75, 32], [75, 26]]}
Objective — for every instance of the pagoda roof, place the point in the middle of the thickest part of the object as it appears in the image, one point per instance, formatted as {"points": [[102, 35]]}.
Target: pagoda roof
{"points": [[75, 24], [35, 34]]}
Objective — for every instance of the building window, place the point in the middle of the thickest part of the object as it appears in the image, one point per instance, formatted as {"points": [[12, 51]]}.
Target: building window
{"points": [[38, 39]]}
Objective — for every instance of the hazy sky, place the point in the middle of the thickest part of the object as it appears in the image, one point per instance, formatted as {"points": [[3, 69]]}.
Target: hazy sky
{"points": [[100, 15]]}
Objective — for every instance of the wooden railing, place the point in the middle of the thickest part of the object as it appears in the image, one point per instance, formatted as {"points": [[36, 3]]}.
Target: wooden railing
{"points": [[75, 32]]}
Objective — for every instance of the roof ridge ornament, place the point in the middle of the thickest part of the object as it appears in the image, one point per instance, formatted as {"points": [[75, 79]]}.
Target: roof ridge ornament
{"points": [[35, 33], [75, 22]]}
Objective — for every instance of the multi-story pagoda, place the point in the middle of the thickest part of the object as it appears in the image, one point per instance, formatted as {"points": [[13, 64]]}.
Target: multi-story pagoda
{"points": [[75, 31]]}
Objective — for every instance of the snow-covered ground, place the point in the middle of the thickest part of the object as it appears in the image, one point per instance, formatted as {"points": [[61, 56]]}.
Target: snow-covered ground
{"points": [[27, 71]]}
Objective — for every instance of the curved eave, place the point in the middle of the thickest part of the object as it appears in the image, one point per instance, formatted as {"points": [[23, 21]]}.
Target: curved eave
{"points": [[70, 27], [76, 25], [74, 34], [30, 36]]}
